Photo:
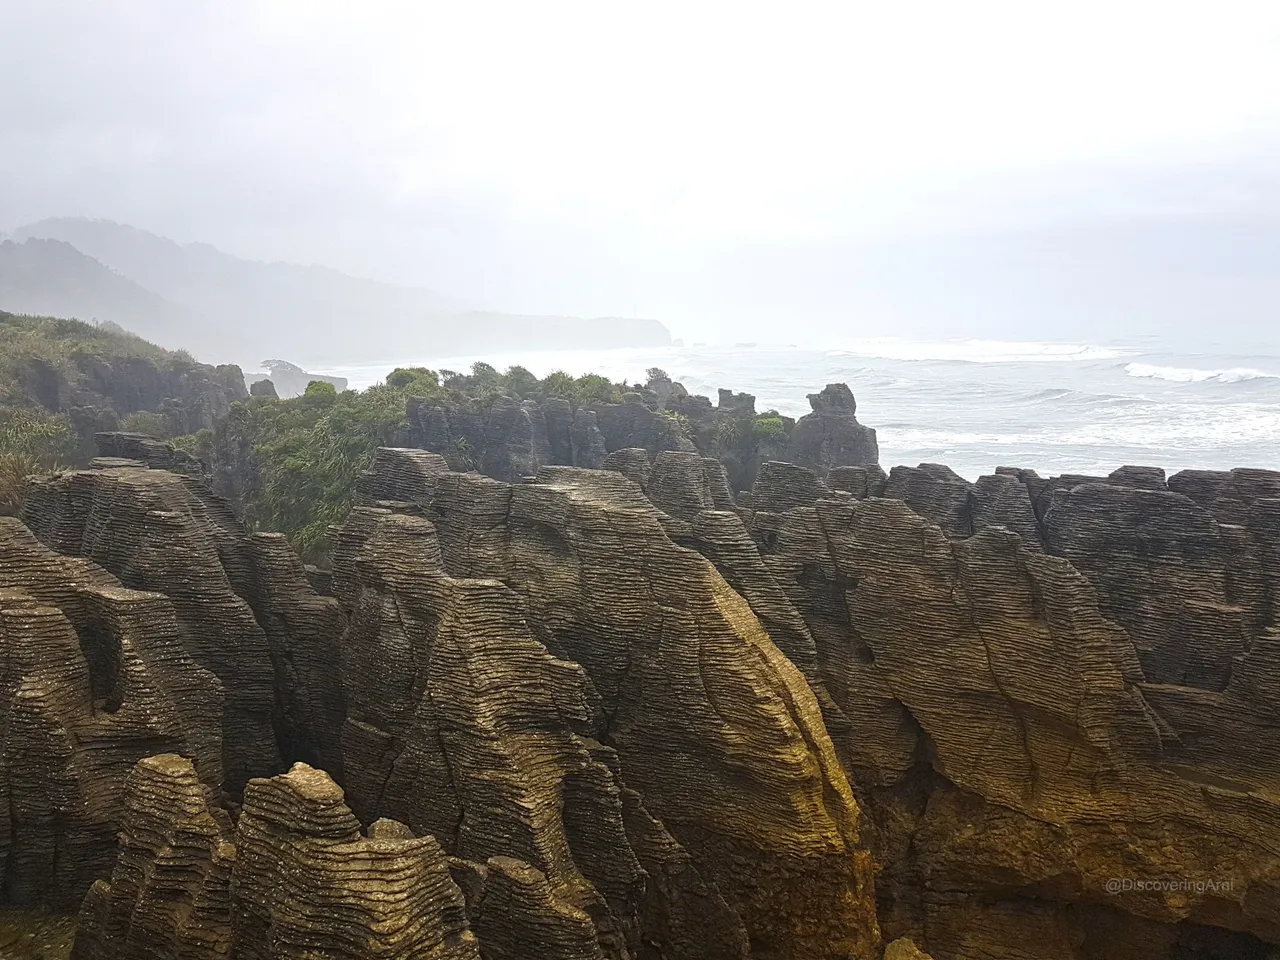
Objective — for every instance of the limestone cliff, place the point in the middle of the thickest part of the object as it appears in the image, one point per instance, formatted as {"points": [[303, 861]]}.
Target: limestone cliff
{"points": [[622, 714], [507, 438], [297, 878], [637, 667], [243, 606], [93, 678], [605, 753], [1061, 729]]}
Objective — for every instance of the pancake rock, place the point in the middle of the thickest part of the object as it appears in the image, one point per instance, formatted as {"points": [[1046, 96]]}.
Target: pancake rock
{"points": [[608, 665], [1184, 587], [93, 677], [461, 725], [961, 508], [1026, 779], [146, 450], [296, 879], [244, 607], [1231, 496], [504, 438]]}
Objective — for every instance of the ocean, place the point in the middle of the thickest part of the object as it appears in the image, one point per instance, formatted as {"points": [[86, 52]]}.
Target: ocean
{"points": [[978, 404]]}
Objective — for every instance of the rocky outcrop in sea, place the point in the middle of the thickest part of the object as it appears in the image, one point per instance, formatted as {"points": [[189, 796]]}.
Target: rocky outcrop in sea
{"points": [[623, 712]]}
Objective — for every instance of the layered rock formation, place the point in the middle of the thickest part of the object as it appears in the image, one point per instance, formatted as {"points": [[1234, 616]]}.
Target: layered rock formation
{"points": [[461, 724], [831, 435], [507, 698], [1068, 750], [507, 439], [544, 675], [296, 879], [622, 713], [93, 677], [244, 608]]}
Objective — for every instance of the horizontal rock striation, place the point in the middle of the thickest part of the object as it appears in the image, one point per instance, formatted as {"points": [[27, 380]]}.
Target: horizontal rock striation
{"points": [[296, 879], [831, 436], [543, 647], [461, 725], [1187, 566], [93, 677], [1046, 716], [623, 714], [244, 607], [147, 451]]}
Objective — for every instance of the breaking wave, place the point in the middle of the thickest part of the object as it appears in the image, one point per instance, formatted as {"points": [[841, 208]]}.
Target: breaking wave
{"points": [[1194, 375], [975, 351]]}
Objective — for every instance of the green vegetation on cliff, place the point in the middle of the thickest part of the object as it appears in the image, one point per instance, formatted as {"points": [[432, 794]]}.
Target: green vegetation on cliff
{"points": [[61, 381], [292, 465]]}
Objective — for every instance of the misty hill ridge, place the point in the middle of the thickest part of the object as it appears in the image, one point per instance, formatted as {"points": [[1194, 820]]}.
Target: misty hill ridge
{"points": [[52, 278], [242, 310]]}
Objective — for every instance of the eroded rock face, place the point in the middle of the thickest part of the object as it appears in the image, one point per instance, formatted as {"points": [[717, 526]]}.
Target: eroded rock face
{"points": [[146, 450], [508, 439], [622, 714], [1017, 758], [518, 628], [93, 677], [1188, 567], [1182, 585], [296, 879], [461, 725], [244, 608], [831, 435]]}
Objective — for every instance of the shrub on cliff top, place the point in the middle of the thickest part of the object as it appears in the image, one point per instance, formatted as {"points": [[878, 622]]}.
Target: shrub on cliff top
{"points": [[293, 464], [402, 377], [69, 348], [146, 422], [298, 460], [520, 381], [31, 442], [557, 383], [769, 426], [593, 388]]}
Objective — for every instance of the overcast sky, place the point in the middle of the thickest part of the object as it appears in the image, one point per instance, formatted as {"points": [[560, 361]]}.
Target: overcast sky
{"points": [[717, 166]]}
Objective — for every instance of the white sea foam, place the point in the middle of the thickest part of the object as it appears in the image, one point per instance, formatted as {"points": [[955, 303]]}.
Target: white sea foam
{"points": [[976, 351], [1194, 375]]}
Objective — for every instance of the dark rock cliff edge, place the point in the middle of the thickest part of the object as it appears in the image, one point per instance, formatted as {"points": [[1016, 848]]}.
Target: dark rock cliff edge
{"points": [[596, 705]]}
